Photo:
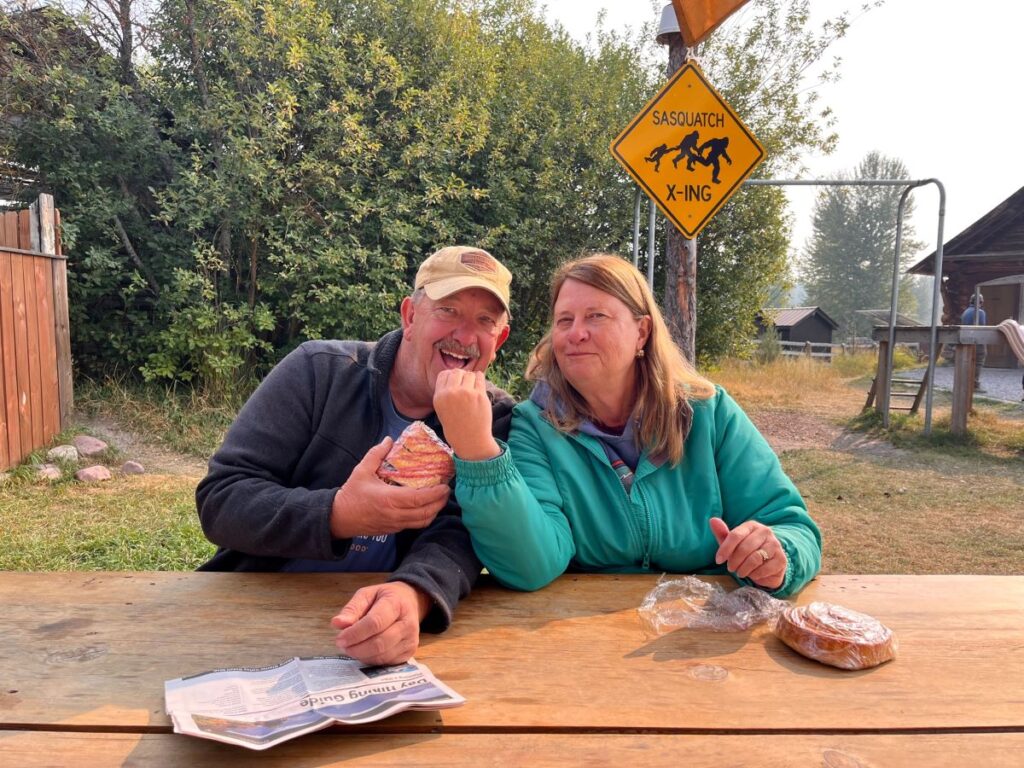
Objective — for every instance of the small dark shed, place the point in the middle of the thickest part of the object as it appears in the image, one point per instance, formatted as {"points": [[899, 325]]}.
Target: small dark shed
{"points": [[798, 324], [988, 255]]}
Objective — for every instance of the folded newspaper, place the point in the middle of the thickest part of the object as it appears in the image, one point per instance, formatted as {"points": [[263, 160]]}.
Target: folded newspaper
{"points": [[260, 707]]}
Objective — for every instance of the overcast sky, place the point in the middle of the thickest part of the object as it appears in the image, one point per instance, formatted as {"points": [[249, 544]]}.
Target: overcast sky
{"points": [[935, 83]]}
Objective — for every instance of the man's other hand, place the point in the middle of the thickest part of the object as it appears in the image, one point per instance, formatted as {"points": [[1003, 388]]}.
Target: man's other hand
{"points": [[381, 623], [367, 506]]}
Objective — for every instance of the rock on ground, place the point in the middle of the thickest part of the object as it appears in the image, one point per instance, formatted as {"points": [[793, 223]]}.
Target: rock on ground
{"points": [[48, 472], [93, 474], [133, 468], [89, 446], [155, 458], [66, 452]]}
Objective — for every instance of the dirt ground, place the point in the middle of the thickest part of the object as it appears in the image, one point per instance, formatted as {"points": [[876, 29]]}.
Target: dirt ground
{"points": [[799, 430], [795, 430], [156, 459]]}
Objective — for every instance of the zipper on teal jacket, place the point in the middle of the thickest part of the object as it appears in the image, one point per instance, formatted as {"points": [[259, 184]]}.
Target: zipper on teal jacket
{"points": [[593, 445], [644, 520], [646, 526]]}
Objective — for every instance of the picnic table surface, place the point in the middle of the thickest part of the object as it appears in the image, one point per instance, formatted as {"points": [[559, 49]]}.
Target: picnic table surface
{"points": [[565, 674]]}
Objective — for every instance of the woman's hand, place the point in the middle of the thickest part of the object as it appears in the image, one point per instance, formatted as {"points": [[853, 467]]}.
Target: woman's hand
{"points": [[751, 551], [462, 405]]}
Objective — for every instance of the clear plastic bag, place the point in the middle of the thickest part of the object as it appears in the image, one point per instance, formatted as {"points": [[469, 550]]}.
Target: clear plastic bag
{"points": [[686, 601]]}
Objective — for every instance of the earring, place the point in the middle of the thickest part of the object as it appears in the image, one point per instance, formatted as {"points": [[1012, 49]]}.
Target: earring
{"points": [[639, 353]]}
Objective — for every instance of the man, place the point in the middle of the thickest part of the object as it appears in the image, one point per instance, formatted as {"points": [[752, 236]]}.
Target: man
{"points": [[975, 315], [293, 487]]}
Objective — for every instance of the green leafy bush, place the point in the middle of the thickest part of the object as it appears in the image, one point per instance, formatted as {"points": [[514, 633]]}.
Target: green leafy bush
{"points": [[275, 171]]}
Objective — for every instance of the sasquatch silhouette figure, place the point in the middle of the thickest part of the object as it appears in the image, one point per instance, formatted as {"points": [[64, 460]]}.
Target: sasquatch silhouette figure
{"points": [[715, 149], [656, 154], [687, 148]]}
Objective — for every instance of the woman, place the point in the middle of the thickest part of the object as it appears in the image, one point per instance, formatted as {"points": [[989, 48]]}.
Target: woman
{"points": [[624, 459]]}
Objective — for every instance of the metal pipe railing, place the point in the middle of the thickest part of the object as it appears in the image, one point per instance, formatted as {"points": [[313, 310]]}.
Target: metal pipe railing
{"points": [[909, 184]]}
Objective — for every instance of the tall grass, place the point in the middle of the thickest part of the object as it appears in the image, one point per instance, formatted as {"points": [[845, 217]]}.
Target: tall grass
{"points": [[185, 420], [782, 383], [855, 366], [797, 381]]}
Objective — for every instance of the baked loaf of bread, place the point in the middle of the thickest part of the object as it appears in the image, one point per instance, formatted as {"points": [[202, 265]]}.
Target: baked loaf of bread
{"points": [[835, 635], [418, 459]]}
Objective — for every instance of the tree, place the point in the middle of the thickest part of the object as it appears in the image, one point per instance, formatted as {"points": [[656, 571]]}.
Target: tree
{"points": [[275, 171], [849, 259], [66, 112]]}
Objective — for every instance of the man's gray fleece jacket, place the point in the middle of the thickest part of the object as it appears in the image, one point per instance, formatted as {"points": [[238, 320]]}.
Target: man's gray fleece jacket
{"points": [[268, 494]]}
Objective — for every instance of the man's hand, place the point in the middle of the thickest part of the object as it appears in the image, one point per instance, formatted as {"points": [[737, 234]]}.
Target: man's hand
{"points": [[367, 506], [751, 552], [461, 403], [381, 624]]}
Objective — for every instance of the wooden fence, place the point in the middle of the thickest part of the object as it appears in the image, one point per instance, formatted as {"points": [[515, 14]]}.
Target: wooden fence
{"points": [[35, 348], [822, 350]]}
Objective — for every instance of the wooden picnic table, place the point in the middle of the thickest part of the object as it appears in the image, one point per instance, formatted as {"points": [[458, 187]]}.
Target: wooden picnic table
{"points": [[562, 675], [963, 338]]}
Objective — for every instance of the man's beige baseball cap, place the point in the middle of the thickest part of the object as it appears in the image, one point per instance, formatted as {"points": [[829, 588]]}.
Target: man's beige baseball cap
{"points": [[458, 267]]}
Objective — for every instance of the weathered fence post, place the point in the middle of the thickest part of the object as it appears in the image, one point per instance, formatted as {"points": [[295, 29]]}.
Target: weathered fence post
{"points": [[49, 242]]}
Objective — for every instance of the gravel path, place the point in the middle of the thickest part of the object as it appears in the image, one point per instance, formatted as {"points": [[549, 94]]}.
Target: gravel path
{"points": [[998, 383]]}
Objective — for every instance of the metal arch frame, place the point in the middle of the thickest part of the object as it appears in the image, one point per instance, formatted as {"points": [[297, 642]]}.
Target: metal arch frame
{"points": [[908, 185]]}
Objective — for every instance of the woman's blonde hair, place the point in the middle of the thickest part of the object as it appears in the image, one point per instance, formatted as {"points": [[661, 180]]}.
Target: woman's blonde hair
{"points": [[665, 380]]}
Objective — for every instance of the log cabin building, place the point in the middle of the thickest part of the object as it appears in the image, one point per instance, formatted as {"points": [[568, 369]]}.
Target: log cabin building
{"points": [[988, 255], [795, 324]]}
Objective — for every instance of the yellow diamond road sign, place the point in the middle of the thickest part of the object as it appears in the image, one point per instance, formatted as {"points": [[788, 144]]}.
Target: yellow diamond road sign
{"points": [[688, 150]]}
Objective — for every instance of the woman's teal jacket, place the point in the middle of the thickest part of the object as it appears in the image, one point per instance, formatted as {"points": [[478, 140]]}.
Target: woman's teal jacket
{"points": [[552, 501]]}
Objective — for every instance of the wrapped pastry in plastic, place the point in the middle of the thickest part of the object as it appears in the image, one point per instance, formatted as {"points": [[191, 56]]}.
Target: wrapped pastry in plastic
{"points": [[836, 636], [418, 459], [687, 601]]}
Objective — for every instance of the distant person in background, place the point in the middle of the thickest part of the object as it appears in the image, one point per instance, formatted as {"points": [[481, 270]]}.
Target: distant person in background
{"points": [[975, 315]]}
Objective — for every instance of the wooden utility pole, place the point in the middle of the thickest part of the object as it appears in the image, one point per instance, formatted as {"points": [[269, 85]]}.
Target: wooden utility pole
{"points": [[680, 301], [688, 204]]}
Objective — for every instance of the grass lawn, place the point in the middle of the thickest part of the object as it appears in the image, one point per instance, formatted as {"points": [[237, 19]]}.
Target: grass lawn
{"points": [[901, 503], [913, 514], [937, 504], [139, 522]]}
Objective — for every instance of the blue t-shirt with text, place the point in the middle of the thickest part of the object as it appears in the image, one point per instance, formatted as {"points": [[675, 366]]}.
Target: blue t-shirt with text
{"points": [[366, 554]]}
